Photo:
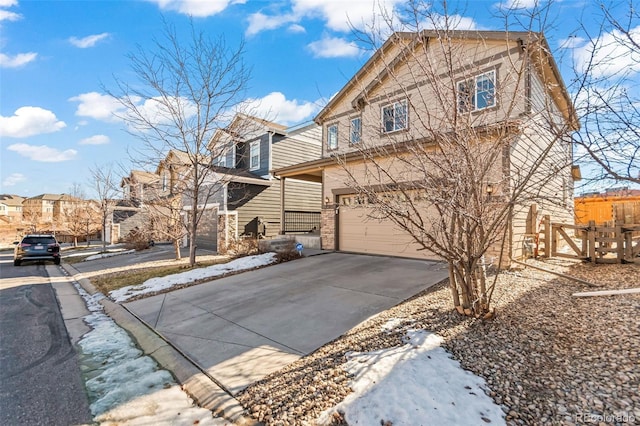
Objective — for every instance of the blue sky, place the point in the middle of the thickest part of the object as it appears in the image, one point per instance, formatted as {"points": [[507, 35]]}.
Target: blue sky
{"points": [[56, 56]]}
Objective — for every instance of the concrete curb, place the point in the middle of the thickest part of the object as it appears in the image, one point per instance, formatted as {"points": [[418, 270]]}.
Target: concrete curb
{"points": [[194, 381]]}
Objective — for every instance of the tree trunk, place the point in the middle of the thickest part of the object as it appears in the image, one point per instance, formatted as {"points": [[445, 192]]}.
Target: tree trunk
{"points": [[176, 248]]}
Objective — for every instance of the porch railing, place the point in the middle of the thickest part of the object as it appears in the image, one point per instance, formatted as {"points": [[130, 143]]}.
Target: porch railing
{"points": [[296, 221]]}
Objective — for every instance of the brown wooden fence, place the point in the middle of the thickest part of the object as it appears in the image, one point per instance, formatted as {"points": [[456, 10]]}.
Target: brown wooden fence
{"points": [[597, 244]]}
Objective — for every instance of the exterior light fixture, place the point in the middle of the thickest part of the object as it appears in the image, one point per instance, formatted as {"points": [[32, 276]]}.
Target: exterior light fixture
{"points": [[489, 188]]}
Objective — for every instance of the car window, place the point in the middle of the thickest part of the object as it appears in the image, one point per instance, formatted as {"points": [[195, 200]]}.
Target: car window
{"points": [[39, 240]]}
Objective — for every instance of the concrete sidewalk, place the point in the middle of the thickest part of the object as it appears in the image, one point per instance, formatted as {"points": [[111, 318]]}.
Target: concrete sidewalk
{"points": [[240, 328], [195, 382]]}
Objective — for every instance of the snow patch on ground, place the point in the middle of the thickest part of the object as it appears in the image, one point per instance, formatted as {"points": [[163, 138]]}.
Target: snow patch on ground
{"points": [[162, 283], [109, 254], [417, 383], [125, 386]]}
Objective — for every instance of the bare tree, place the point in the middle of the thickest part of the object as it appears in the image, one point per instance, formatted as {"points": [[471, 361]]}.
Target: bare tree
{"points": [[463, 150], [607, 94], [186, 90], [78, 216], [105, 185]]}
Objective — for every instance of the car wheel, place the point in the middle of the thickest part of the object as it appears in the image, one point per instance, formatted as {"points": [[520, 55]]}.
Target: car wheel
{"points": [[56, 260], [16, 262]]}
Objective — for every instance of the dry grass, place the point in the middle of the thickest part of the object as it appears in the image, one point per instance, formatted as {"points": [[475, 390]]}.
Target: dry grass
{"points": [[115, 280]]}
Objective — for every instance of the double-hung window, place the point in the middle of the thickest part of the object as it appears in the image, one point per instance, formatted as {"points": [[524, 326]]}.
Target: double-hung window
{"points": [[477, 93], [395, 116], [332, 136], [254, 155], [356, 131]]}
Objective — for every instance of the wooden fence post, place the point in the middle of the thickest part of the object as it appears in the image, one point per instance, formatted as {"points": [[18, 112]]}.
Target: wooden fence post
{"points": [[619, 241], [547, 236], [628, 246], [591, 235]]}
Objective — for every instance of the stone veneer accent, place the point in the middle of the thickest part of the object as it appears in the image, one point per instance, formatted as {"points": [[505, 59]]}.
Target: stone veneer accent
{"points": [[328, 228]]}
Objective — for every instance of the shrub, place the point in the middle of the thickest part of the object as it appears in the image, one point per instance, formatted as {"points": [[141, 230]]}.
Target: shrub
{"points": [[137, 240], [287, 252]]}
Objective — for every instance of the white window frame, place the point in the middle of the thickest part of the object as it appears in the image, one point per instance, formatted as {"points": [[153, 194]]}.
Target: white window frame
{"points": [[331, 145], [355, 137], [473, 84], [164, 181], [398, 125], [254, 165]]}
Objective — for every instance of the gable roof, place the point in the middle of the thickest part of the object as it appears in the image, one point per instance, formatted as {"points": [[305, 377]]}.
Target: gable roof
{"points": [[11, 200], [534, 43]]}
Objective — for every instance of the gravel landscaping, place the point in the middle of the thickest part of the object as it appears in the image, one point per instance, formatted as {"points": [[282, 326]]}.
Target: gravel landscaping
{"points": [[547, 357]]}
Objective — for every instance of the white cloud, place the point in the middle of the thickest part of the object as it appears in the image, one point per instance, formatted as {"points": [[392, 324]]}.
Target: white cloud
{"points": [[16, 61], [43, 153], [13, 179], [339, 15], [95, 140], [518, 4], [6, 15], [296, 28], [97, 106], [454, 22], [196, 8], [612, 54], [571, 42], [88, 41], [276, 107], [29, 121], [333, 47], [260, 22]]}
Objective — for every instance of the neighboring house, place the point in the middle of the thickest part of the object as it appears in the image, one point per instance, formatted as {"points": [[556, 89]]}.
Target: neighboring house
{"points": [[376, 105], [39, 210], [245, 194], [613, 205], [140, 186], [11, 208]]}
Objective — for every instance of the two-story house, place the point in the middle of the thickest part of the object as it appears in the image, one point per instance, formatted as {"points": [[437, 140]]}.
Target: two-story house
{"points": [[11, 208], [238, 195], [38, 211], [247, 196], [420, 91]]}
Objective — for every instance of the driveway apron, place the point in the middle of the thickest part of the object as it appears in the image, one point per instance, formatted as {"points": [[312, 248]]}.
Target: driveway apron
{"points": [[243, 327]]}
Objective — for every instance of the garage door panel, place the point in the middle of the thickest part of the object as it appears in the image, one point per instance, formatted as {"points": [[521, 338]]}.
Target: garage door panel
{"points": [[360, 233]]}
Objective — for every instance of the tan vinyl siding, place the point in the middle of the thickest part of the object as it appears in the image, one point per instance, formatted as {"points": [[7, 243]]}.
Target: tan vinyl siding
{"points": [[424, 86], [292, 151], [305, 196], [551, 185]]}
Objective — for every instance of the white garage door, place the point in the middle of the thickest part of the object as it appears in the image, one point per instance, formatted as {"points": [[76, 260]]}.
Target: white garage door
{"points": [[360, 233]]}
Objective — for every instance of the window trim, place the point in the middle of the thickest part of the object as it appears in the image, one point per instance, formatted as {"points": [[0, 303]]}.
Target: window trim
{"points": [[251, 156], [472, 83], [329, 146], [352, 133], [393, 105]]}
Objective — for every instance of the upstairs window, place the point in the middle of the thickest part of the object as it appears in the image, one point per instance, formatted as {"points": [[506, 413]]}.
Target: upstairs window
{"points": [[332, 136], [356, 130], [222, 160], [254, 155], [395, 117], [477, 93]]}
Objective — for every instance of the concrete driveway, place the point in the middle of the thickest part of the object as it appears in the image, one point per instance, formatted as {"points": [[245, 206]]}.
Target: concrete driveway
{"points": [[243, 327]]}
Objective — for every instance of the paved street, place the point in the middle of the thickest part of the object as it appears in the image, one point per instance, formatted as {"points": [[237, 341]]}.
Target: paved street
{"points": [[40, 382]]}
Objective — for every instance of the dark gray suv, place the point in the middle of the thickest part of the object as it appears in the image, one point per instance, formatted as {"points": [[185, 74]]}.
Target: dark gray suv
{"points": [[36, 247]]}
